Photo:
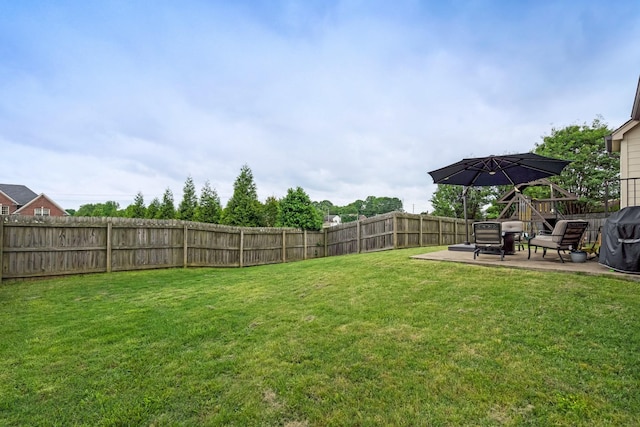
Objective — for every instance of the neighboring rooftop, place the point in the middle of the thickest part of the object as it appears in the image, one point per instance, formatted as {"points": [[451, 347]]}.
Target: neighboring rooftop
{"points": [[19, 193]]}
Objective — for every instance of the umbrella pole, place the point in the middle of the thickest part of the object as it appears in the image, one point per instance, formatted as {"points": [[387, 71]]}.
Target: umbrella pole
{"points": [[464, 207]]}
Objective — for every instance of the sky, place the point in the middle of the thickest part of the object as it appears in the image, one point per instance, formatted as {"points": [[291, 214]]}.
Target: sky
{"points": [[101, 100]]}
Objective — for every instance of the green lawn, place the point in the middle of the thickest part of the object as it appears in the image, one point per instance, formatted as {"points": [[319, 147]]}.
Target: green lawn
{"points": [[372, 339]]}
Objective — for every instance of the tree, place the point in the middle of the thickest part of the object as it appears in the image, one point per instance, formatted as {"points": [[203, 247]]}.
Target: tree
{"points": [[209, 208], [380, 205], [592, 168], [107, 209], [271, 211], [137, 209], [167, 209], [189, 203], [85, 210], [296, 210], [325, 208], [371, 206], [154, 209], [243, 208], [447, 201], [350, 212]]}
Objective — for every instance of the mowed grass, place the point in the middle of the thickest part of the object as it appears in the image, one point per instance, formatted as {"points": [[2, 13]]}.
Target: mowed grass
{"points": [[372, 339]]}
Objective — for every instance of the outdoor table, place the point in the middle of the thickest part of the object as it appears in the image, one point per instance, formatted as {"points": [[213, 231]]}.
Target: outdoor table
{"points": [[509, 239]]}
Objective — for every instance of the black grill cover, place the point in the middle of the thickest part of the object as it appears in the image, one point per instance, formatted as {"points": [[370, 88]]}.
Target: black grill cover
{"points": [[620, 247]]}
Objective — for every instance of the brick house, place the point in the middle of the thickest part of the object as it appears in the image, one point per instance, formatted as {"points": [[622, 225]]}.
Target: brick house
{"points": [[20, 200]]}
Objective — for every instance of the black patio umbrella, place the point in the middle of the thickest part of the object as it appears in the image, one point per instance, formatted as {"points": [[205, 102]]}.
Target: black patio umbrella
{"points": [[509, 169], [499, 170]]}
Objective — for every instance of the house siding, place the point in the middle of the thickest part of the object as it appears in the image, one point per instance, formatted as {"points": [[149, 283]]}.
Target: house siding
{"points": [[630, 168], [5, 201]]}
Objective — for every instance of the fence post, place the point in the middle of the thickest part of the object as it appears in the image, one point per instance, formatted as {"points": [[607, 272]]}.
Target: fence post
{"points": [[241, 247], [1, 246], [109, 231], [185, 245], [358, 247], [326, 244], [284, 246], [406, 232], [420, 233], [395, 231], [439, 231], [304, 242]]}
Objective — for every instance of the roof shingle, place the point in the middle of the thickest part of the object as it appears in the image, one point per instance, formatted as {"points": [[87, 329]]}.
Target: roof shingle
{"points": [[20, 193]]}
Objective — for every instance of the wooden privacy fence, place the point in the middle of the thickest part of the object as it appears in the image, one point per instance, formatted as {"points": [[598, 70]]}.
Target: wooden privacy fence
{"points": [[50, 246]]}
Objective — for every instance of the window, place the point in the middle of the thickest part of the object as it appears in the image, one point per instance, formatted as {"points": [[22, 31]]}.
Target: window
{"points": [[41, 211], [4, 210]]}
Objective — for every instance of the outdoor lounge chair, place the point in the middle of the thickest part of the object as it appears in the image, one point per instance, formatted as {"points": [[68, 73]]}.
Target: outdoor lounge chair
{"points": [[566, 235], [488, 238]]}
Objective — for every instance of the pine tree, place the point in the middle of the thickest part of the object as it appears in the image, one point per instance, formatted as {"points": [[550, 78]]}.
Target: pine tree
{"points": [[243, 209], [189, 203], [209, 208], [137, 209], [167, 209], [153, 209], [271, 211]]}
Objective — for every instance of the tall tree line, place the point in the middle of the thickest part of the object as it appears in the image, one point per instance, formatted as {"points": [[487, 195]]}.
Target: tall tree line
{"points": [[243, 208], [295, 209], [369, 207]]}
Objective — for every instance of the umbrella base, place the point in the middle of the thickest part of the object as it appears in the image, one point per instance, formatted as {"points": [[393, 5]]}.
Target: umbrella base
{"points": [[461, 247]]}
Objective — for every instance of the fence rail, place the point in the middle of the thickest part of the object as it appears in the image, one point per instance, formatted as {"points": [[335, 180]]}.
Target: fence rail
{"points": [[630, 191], [51, 246]]}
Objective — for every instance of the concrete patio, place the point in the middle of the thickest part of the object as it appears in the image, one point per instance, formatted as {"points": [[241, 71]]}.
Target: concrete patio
{"points": [[550, 262]]}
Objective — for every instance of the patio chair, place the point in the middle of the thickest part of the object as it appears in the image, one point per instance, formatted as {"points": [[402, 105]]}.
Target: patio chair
{"points": [[516, 228], [566, 235], [488, 238]]}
